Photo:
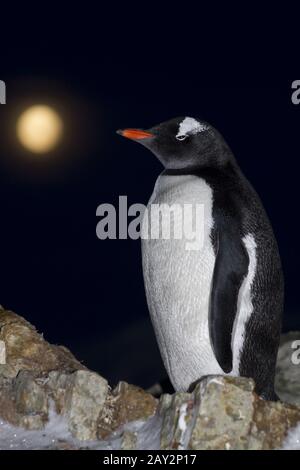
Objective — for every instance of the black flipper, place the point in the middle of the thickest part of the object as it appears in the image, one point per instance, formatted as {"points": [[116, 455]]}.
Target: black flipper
{"points": [[231, 266]]}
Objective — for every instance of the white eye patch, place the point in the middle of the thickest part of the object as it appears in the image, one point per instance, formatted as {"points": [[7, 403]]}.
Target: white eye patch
{"points": [[190, 126]]}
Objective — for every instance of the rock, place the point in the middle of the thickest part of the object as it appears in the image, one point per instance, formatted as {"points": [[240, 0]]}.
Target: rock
{"points": [[31, 401], [8, 410], [271, 423], [23, 402], [224, 413], [232, 416], [2, 353], [79, 396], [26, 349], [36, 372], [177, 412], [126, 403], [224, 408], [57, 385], [45, 389], [85, 398], [30, 397], [287, 381], [129, 440]]}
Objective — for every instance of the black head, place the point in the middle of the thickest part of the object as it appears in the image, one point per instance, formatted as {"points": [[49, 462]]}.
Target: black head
{"points": [[183, 143]]}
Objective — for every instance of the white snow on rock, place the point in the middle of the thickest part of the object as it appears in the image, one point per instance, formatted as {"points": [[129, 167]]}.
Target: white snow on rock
{"points": [[292, 441], [56, 435], [148, 432], [182, 415], [2, 353]]}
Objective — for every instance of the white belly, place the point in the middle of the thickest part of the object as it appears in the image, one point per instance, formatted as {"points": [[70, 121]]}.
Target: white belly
{"points": [[178, 283]]}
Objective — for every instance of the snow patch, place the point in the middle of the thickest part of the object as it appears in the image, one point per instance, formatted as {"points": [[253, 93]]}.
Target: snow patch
{"points": [[2, 353], [182, 424], [182, 415], [292, 441], [56, 435], [148, 433]]}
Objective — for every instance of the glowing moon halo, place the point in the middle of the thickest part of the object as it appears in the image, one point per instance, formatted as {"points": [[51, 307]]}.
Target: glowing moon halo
{"points": [[39, 128]]}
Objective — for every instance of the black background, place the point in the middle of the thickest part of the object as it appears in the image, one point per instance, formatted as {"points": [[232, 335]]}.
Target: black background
{"points": [[121, 70]]}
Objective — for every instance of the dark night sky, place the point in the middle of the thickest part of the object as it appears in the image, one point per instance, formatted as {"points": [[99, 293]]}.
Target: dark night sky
{"points": [[86, 293]]}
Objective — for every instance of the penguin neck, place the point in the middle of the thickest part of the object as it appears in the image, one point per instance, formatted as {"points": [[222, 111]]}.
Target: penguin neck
{"points": [[226, 166], [217, 157], [229, 169]]}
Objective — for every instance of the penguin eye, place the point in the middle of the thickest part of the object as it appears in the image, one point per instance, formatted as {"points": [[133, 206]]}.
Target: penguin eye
{"points": [[182, 137]]}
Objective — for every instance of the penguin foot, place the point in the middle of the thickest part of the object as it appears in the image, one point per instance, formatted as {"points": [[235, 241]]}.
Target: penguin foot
{"points": [[193, 385]]}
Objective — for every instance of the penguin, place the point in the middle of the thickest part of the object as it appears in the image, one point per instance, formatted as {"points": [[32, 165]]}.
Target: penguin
{"points": [[216, 310]]}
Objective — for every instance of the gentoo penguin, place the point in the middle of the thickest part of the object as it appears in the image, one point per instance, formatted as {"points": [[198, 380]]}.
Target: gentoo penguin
{"points": [[216, 310]]}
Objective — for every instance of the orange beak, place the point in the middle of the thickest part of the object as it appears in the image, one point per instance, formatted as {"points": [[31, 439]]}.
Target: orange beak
{"points": [[135, 134]]}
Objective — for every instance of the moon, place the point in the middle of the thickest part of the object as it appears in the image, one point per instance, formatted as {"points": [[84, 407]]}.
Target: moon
{"points": [[39, 129]]}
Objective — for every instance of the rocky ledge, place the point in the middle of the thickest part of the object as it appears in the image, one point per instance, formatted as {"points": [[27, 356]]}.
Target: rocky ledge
{"points": [[48, 399]]}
